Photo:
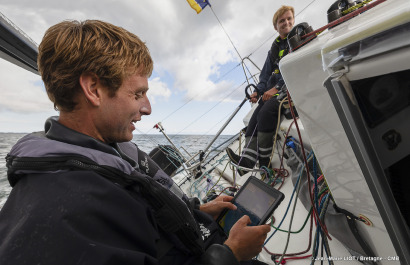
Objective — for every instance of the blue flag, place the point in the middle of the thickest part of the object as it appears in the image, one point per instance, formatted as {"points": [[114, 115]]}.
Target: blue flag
{"points": [[198, 5]]}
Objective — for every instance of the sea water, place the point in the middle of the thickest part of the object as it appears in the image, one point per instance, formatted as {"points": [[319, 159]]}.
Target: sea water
{"points": [[191, 143]]}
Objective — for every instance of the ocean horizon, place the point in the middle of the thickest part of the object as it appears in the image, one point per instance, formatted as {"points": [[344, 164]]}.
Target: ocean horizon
{"points": [[192, 143]]}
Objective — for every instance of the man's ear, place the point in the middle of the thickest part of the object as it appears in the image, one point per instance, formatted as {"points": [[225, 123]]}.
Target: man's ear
{"points": [[90, 83]]}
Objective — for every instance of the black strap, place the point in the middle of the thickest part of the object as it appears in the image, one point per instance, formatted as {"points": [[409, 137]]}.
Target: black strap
{"points": [[350, 218], [171, 213], [276, 48]]}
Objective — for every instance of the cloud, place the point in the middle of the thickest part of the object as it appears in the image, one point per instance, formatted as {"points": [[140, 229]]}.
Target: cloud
{"points": [[190, 51], [188, 46], [21, 91], [158, 89]]}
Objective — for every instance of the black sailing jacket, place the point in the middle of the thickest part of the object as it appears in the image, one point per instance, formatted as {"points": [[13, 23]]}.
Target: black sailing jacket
{"points": [[76, 200]]}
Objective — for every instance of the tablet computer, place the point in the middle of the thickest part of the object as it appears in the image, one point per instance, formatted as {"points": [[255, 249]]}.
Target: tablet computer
{"points": [[256, 199]]}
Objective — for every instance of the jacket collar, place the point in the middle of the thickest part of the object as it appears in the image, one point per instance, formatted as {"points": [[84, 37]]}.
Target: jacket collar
{"points": [[56, 131]]}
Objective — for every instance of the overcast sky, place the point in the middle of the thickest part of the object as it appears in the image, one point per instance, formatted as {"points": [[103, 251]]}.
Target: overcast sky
{"points": [[197, 80]]}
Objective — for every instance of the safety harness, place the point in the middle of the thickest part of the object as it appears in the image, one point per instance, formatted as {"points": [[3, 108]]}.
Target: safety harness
{"points": [[278, 49]]}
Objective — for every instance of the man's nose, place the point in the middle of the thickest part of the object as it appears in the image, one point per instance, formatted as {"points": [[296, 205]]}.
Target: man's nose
{"points": [[146, 106]]}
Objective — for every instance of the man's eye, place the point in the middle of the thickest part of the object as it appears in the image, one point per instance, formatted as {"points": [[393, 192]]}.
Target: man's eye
{"points": [[139, 94]]}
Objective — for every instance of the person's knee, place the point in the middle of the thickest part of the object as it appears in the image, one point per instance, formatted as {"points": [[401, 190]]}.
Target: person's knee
{"points": [[268, 115]]}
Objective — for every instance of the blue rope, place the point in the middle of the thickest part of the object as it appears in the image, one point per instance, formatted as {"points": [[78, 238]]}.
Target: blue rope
{"points": [[290, 202]]}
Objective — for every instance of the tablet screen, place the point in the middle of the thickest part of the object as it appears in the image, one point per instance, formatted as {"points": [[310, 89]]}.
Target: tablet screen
{"points": [[255, 199]]}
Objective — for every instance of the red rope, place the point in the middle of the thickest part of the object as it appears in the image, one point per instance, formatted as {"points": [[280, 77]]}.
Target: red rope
{"points": [[311, 35], [316, 214], [344, 18]]}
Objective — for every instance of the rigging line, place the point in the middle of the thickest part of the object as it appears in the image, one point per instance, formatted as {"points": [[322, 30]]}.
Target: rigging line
{"points": [[219, 102], [220, 77], [236, 52], [212, 127], [195, 97], [260, 46], [226, 32], [229, 141], [179, 108], [148, 136], [250, 73], [228, 72], [199, 93], [217, 79], [305, 8]]}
